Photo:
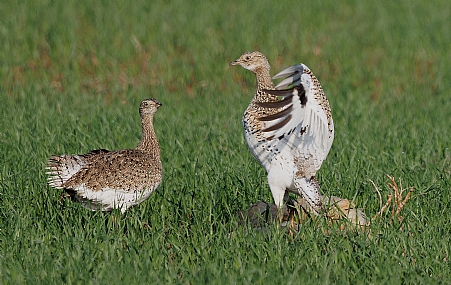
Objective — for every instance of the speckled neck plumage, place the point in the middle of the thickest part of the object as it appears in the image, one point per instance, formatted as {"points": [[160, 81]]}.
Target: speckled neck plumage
{"points": [[263, 82], [149, 142]]}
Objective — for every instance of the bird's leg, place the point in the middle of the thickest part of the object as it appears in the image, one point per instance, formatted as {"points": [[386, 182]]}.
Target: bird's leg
{"points": [[291, 218], [309, 189], [281, 199], [278, 188], [280, 179], [67, 194], [278, 195], [63, 196]]}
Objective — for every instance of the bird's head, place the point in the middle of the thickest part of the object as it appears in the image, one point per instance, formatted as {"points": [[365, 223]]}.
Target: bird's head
{"points": [[252, 60], [149, 106]]}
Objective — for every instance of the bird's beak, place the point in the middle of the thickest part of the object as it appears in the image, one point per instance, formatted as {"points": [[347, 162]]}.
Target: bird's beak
{"points": [[234, 63]]}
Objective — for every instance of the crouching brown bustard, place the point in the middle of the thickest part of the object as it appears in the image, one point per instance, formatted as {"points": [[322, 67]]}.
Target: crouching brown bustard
{"points": [[288, 128], [106, 180]]}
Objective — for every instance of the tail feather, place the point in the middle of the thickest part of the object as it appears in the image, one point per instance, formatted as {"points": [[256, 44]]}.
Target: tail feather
{"points": [[62, 168]]}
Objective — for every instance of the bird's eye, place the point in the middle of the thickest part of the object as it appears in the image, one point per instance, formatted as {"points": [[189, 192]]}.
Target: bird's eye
{"points": [[248, 57]]}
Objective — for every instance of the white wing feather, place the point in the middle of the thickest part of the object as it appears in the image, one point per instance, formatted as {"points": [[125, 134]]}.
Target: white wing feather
{"points": [[303, 130]]}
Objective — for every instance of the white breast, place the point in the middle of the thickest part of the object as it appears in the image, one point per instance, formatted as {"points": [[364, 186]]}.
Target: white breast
{"points": [[108, 199]]}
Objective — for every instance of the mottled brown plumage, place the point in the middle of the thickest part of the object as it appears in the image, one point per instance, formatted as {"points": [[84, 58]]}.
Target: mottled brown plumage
{"points": [[106, 180]]}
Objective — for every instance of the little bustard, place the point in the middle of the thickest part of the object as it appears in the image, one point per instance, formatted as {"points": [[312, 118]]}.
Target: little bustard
{"points": [[106, 180], [289, 131]]}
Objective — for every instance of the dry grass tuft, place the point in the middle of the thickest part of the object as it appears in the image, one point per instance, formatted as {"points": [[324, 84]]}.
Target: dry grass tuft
{"points": [[396, 200], [339, 210]]}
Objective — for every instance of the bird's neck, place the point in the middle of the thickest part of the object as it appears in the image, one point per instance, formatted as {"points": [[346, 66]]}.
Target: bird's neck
{"points": [[149, 142], [263, 82]]}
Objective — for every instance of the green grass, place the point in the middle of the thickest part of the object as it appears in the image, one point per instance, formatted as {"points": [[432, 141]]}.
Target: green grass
{"points": [[73, 74]]}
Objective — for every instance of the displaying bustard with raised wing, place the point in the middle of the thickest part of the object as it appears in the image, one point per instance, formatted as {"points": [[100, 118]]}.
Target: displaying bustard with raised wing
{"points": [[106, 180], [289, 130]]}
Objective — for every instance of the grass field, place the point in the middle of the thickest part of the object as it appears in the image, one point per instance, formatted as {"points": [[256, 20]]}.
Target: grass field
{"points": [[73, 74]]}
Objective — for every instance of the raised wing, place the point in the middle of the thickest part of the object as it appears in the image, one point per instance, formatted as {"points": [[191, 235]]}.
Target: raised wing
{"points": [[291, 74], [301, 124], [293, 111]]}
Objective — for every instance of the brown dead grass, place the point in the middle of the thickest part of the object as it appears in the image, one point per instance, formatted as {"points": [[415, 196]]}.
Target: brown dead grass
{"points": [[339, 211], [396, 200]]}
